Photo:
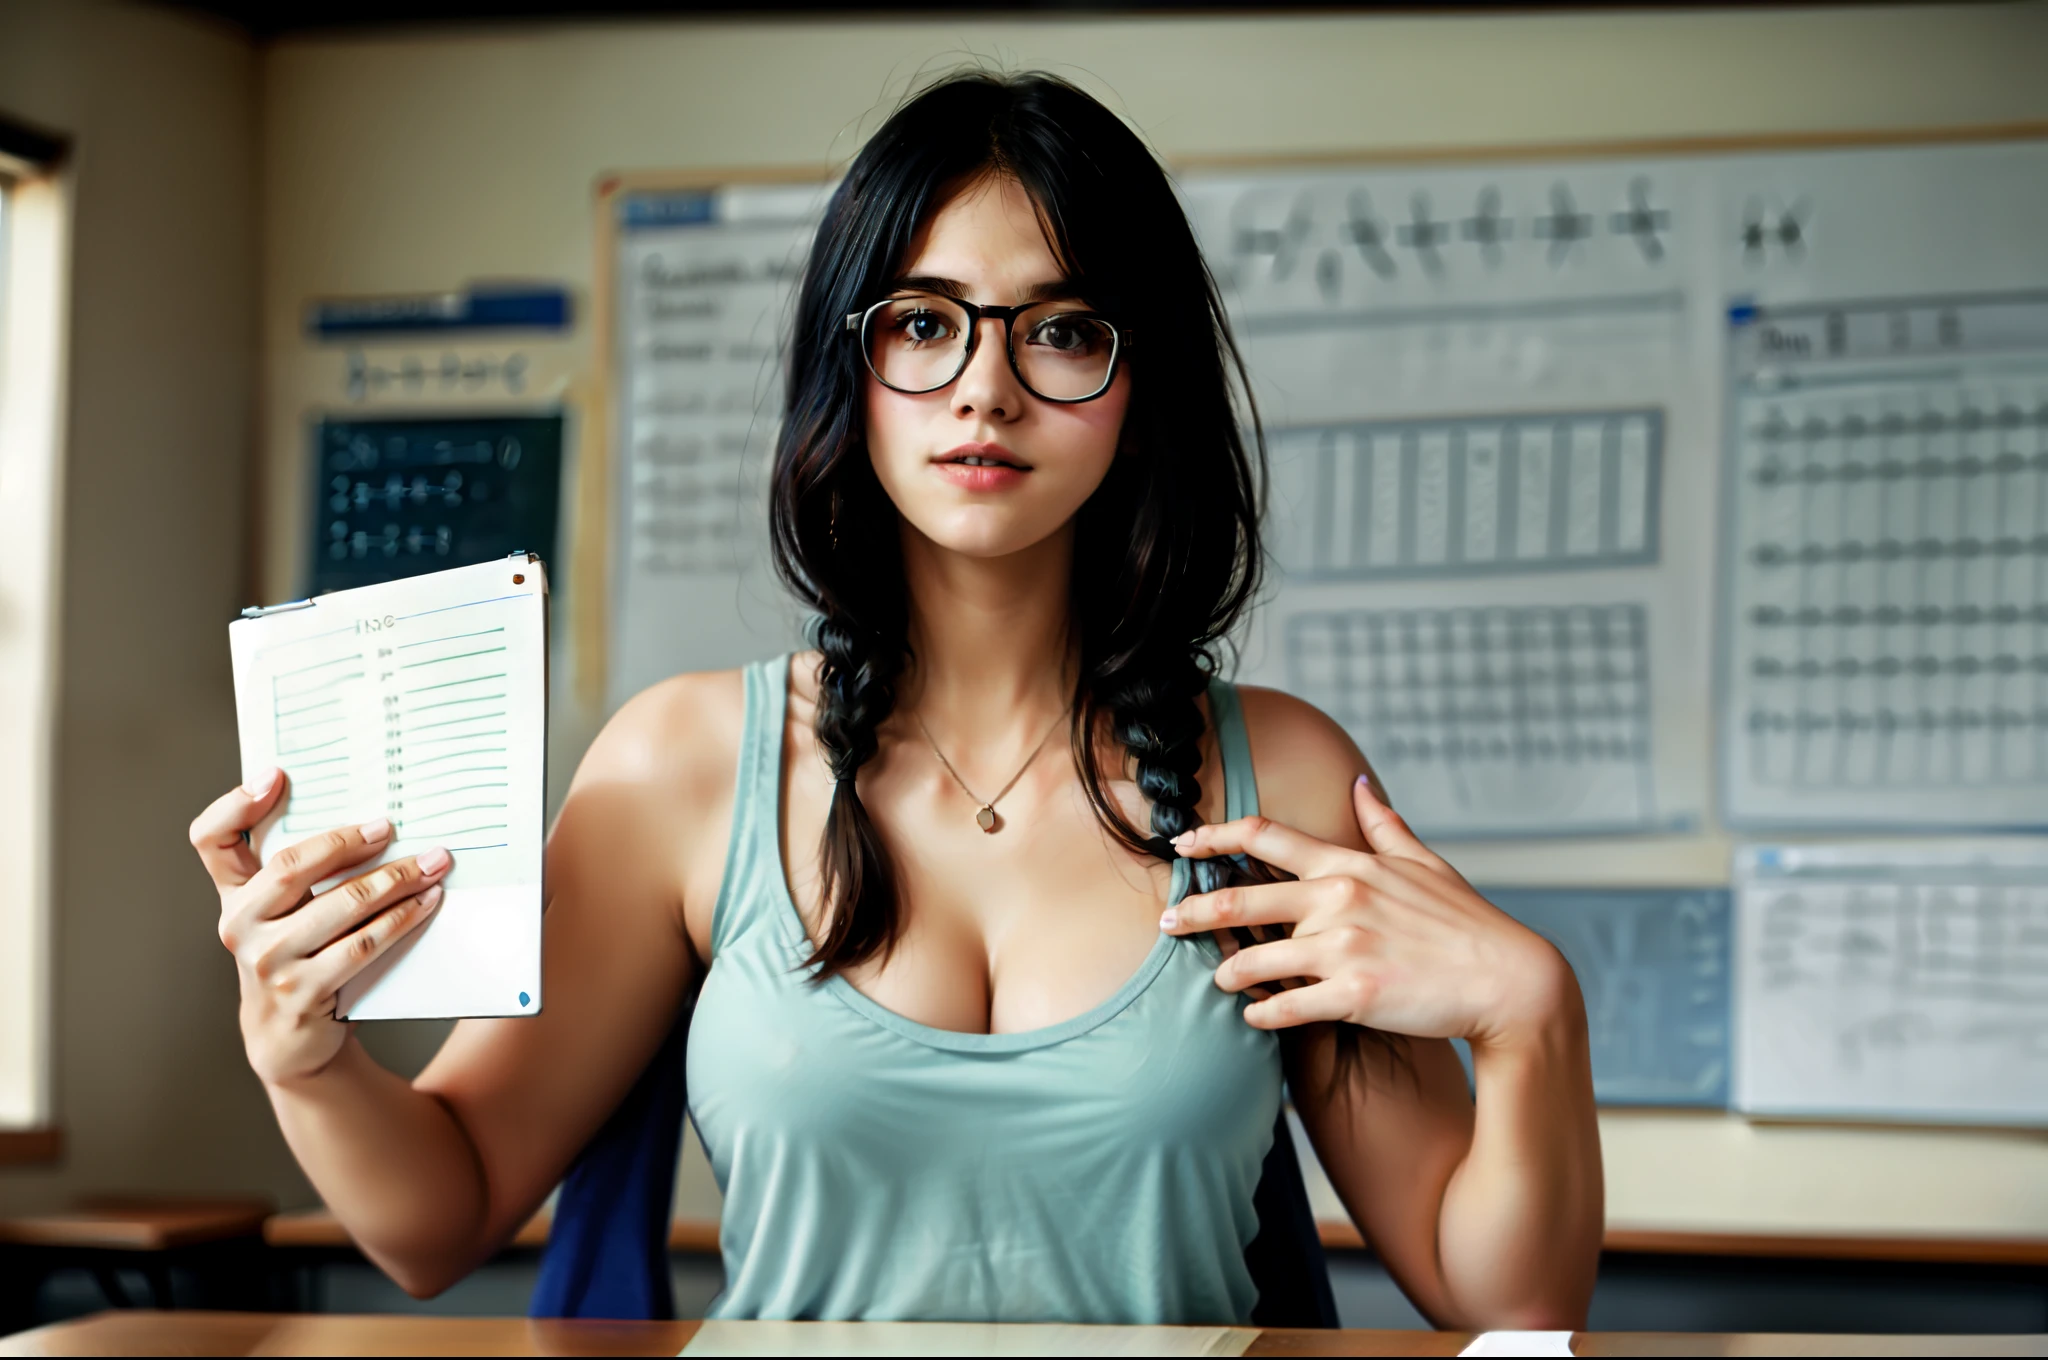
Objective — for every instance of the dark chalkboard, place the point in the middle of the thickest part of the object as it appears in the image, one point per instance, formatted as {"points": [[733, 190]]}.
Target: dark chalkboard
{"points": [[398, 495]]}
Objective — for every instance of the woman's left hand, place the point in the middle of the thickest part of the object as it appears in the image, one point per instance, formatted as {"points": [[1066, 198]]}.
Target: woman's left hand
{"points": [[1394, 938]]}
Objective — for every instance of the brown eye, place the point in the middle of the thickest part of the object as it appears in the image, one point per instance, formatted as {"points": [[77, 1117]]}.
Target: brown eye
{"points": [[1069, 335]]}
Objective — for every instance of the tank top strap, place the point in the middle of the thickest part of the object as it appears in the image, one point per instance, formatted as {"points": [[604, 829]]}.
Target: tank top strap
{"points": [[753, 857], [1240, 782]]}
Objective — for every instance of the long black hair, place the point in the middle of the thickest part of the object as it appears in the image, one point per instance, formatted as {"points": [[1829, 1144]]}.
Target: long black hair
{"points": [[1167, 552]]}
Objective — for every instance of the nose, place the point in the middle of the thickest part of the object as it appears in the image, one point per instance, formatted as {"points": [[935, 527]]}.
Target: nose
{"points": [[988, 386]]}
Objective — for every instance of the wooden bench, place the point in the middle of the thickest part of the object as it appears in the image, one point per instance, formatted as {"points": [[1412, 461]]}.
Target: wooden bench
{"points": [[216, 1239]]}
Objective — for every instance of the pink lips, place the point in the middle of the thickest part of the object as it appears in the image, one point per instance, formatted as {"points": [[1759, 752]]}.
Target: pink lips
{"points": [[981, 467]]}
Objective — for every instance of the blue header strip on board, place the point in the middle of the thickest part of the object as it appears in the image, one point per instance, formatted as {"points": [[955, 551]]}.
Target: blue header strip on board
{"points": [[543, 307], [695, 207]]}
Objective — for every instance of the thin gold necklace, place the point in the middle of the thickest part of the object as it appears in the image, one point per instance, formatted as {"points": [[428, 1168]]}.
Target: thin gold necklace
{"points": [[985, 813]]}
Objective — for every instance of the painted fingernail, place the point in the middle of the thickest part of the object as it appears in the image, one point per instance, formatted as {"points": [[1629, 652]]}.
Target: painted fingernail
{"points": [[434, 860], [1169, 919], [262, 782], [377, 830], [431, 898], [1183, 840]]}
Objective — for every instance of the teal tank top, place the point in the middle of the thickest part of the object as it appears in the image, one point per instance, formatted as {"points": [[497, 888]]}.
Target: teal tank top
{"points": [[1100, 1170]]}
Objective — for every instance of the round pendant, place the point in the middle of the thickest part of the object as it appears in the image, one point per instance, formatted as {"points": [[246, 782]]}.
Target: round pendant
{"points": [[986, 820]]}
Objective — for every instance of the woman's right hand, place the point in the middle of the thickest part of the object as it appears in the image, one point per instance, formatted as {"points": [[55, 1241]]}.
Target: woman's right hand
{"points": [[293, 950]]}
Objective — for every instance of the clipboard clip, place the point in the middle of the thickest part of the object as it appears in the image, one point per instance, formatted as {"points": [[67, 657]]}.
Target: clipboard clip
{"points": [[258, 611]]}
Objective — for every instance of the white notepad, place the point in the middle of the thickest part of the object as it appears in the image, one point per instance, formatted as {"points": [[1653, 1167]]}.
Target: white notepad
{"points": [[425, 701]]}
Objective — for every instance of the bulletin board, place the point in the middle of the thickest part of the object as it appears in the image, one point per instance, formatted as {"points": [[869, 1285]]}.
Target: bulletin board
{"points": [[1617, 490]]}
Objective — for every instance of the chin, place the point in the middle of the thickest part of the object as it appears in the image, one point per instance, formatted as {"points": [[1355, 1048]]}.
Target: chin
{"points": [[987, 532]]}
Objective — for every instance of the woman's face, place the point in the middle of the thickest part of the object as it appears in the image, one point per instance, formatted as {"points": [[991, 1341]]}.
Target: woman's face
{"points": [[986, 247]]}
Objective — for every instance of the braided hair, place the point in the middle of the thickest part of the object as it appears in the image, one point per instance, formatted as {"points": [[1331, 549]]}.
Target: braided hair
{"points": [[1166, 552]]}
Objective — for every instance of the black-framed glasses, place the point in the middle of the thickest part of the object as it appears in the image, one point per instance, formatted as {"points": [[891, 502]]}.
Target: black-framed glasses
{"points": [[920, 342]]}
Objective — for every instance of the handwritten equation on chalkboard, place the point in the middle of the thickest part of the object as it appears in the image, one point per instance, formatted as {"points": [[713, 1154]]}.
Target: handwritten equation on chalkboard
{"points": [[396, 496]]}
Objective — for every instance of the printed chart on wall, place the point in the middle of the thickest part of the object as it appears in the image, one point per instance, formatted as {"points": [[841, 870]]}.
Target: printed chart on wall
{"points": [[1886, 518], [1479, 389], [703, 283], [1894, 982]]}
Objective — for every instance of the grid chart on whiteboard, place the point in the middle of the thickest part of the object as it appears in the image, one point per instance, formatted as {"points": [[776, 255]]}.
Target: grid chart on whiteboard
{"points": [[1491, 720], [1889, 645], [1467, 495]]}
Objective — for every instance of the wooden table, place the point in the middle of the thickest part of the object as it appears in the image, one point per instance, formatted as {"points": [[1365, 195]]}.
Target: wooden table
{"points": [[193, 1333]]}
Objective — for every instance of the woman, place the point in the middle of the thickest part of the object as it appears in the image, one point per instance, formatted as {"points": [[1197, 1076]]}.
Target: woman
{"points": [[949, 1058]]}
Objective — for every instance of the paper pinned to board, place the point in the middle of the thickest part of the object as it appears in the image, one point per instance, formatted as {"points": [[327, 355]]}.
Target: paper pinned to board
{"points": [[722, 1337], [1520, 1343]]}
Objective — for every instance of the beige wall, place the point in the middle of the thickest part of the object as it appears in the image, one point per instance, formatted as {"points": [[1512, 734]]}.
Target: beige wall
{"points": [[150, 1086]]}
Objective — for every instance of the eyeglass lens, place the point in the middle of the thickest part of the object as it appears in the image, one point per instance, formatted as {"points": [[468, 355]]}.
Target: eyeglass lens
{"points": [[919, 344]]}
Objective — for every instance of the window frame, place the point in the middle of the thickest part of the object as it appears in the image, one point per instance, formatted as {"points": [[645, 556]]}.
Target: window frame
{"points": [[34, 305]]}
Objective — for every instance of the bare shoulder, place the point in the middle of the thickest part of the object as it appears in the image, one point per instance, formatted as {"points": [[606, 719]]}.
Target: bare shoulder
{"points": [[642, 834], [680, 737], [1306, 764]]}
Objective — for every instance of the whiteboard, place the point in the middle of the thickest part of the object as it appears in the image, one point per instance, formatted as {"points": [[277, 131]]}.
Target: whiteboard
{"points": [[1506, 407], [1479, 389], [1498, 401], [704, 278], [1893, 982]]}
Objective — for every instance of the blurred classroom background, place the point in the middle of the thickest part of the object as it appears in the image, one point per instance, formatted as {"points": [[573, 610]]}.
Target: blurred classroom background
{"points": [[1659, 410]]}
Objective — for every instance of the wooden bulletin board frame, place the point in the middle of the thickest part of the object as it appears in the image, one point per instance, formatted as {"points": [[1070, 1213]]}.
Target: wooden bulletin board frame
{"points": [[590, 549], [590, 545]]}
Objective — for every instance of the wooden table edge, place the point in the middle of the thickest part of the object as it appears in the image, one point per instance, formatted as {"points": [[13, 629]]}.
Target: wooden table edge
{"points": [[137, 1331], [140, 1225]]}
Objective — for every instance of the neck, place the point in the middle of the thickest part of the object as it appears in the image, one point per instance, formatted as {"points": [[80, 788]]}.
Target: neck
{"points": [[991, 646]]}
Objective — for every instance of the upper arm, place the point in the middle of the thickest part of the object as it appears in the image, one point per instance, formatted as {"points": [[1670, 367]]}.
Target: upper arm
{"points": [[1391, 1136], [1305, 765], [624, 869]]}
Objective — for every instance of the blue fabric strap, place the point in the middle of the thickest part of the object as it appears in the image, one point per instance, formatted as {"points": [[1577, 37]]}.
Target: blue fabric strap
{"points": [[607, 1253]]}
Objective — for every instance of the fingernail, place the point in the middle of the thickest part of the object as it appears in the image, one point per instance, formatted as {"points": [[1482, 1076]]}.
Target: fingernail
{"points": [[262, 783], [377, 830], [1183, 840], [434, 861], [431, 898], [1169, 919], [1365, 782]]}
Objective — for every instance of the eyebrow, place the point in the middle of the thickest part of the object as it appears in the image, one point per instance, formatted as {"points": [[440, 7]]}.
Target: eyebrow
{"points": [[1058, 289]]}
